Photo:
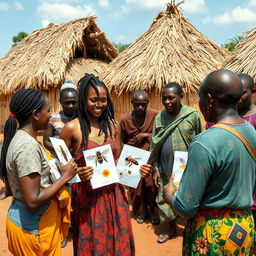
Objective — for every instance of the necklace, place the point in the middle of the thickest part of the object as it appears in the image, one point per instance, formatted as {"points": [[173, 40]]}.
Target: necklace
{"points": [[29, 134], [139, 127]]}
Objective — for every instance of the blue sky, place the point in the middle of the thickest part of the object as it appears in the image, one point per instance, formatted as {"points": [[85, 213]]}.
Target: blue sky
{"points": [[124, 20]]}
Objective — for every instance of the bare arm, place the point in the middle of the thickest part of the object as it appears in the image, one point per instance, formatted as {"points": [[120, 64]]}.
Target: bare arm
{"points": [[72, 136], [35, 198]]}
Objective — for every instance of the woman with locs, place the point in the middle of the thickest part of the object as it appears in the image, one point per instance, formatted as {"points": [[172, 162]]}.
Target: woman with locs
{"points": [[35, 224], [101, 222]]}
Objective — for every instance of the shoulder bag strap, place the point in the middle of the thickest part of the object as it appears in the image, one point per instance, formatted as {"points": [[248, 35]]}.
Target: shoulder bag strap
{"points": [[235, 132]]}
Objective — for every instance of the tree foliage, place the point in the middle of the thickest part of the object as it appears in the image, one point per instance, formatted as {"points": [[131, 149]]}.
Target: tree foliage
{"points": [[232, 43], [121, 47], [16, 39]]}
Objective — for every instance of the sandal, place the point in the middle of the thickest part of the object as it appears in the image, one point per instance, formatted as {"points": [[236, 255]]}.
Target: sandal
{"points": [[162, 238]]}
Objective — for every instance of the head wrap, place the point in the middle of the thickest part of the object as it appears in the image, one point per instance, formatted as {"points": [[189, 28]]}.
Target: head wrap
{"points": [[68, 84]]}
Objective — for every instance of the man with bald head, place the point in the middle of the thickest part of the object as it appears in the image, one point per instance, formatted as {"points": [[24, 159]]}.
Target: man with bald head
{"points": [[215, 192], [136, 130]]}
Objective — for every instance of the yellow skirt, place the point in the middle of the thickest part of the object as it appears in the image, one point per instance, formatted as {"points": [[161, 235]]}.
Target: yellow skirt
{"points": [[52, 230]]}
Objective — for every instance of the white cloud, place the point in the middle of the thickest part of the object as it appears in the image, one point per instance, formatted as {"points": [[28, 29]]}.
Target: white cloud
{"points": [[3, 6], [45, 23], [18, 6], [237, 15], [191, 6], [61, 1], [104, 4], [252, 3], [58, 13], [194, 6]]}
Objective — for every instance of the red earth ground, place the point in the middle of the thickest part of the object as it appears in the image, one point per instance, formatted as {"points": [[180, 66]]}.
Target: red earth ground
{"points": [[145, 237]]}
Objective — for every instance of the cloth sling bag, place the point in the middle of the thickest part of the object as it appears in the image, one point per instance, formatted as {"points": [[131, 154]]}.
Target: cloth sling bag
{"points": [[235, 132]]}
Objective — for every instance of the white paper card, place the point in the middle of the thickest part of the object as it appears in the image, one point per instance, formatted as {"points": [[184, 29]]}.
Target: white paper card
{"points": [[179, 165], [54, 171], [102, 160], [63, 155], [129, 163]]}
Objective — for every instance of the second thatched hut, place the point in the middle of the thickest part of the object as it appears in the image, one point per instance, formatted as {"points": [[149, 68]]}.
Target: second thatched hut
{"points": [[243, 59], [171, 50]]}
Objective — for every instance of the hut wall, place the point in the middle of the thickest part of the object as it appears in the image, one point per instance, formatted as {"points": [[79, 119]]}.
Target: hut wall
{"points": [[123, 105], [52, 94]]}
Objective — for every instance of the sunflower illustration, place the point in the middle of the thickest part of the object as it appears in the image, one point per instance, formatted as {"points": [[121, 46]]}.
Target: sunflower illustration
{"points": [[202, 245], [105, 173]]}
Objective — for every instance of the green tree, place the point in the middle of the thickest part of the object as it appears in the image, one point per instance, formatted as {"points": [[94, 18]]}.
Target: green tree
{"points": [[19, 37], [232, 43], [121, 47]]}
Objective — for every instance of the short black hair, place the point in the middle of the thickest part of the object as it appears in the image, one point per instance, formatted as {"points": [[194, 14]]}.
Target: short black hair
{"points": [[248, 78], [62, 92], [139, 92], [176, 85]]}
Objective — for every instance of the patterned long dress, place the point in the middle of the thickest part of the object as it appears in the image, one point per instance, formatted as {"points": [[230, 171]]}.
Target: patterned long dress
{"points": [[101, 223]]}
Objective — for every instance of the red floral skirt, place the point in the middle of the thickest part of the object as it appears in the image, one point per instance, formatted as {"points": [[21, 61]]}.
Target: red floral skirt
{"points": [[101, 223]]}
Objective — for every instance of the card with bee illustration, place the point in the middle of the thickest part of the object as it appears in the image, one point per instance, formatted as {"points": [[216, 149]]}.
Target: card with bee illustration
{"points": [[179, 165], [102, 160], [129, 163], [63, 155], [61, 150]]}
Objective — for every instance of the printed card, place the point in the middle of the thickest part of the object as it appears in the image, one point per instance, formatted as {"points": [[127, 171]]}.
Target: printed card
{"points": [[129, 163], [63, 155], [179, 165], [102, 160]]}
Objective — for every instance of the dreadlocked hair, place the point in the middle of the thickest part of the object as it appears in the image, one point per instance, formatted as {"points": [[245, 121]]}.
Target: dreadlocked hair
{"points": [[22, 104], [106, 120]]}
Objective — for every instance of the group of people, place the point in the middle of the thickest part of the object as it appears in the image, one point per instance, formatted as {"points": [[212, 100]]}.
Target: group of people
{"points": [[215, 193]]}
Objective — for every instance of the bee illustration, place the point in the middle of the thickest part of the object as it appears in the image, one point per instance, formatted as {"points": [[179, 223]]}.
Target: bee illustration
{"points": [[183, 164], [131, 160], [63, 153], [99, 156]]}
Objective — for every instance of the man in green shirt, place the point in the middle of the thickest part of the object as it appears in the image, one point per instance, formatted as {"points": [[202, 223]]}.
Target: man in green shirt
{"points": [[216, 189]]}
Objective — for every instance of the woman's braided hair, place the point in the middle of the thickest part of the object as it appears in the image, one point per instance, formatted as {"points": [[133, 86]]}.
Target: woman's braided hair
{"points": [[22, 104]]}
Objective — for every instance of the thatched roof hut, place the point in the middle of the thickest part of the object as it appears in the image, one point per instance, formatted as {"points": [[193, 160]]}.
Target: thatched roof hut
{"points": [[172, 49], [45, 58], [42, 58], [243, 59]]}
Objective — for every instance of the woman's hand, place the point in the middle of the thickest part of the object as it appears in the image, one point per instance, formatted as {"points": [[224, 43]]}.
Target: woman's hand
{"points": [[70, 169], [156, 178], [145, 170], [85, 172], [169, 191]]}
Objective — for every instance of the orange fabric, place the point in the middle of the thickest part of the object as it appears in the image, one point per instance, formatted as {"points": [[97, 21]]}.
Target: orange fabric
{"points": [[52, 229]]}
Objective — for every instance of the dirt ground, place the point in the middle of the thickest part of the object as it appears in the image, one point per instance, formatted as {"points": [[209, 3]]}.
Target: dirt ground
{"points": [[145, 237]]}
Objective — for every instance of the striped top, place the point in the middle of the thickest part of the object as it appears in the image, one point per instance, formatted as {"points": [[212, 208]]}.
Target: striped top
{"points": [[58, 120]]}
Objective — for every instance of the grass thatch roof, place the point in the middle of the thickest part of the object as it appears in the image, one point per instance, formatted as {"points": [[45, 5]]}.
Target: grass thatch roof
{"points": [[78, 67], [243, 59], [171, 50], [43, 58]]}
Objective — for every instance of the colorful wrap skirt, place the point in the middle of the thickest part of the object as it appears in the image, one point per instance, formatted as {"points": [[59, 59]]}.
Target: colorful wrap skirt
{"points": [[221, 233]]}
